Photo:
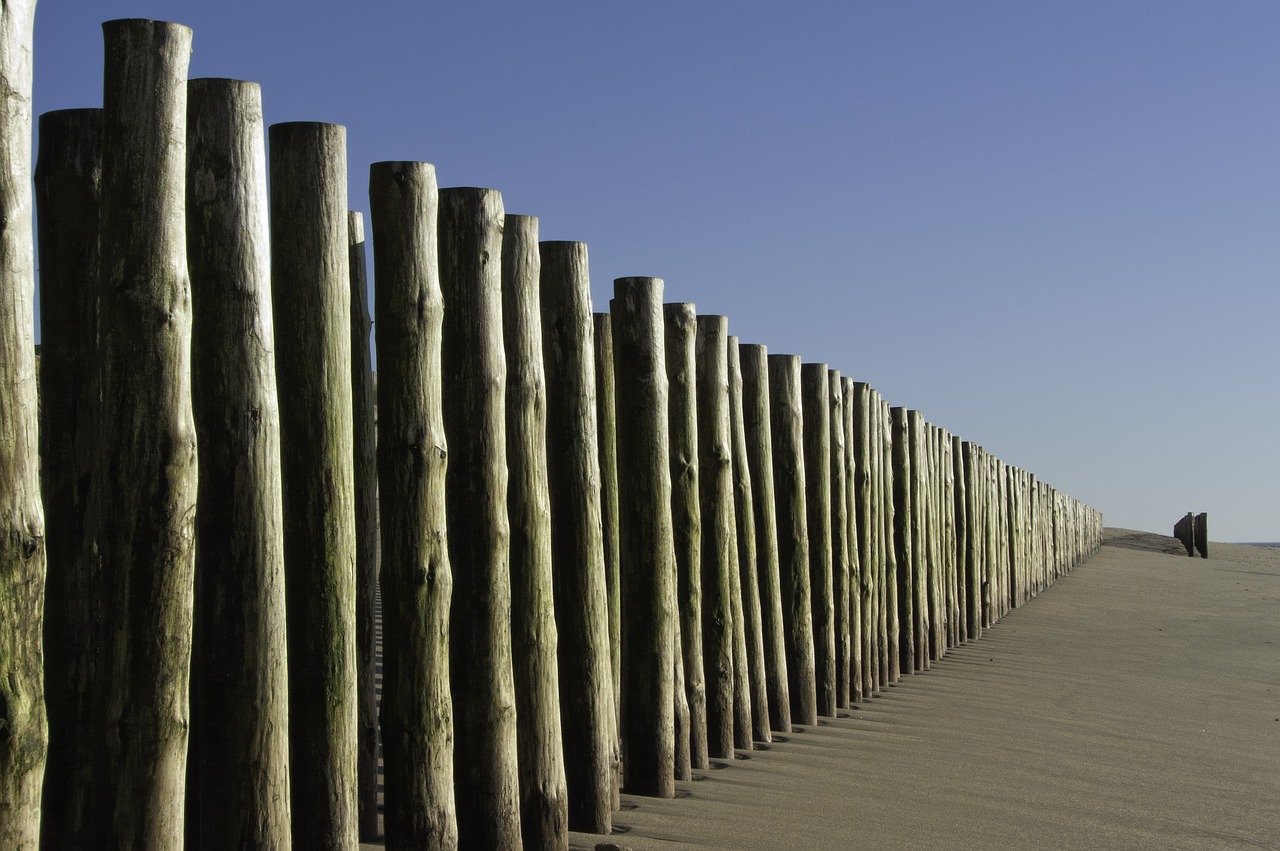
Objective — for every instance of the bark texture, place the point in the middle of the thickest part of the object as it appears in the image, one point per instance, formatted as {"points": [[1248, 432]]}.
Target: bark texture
{"points": [[417, 581]]}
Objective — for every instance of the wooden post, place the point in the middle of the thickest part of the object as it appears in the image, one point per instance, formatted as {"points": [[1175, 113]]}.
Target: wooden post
{"points": [[416, 576], [364, 417], [543, 797], [793, 535], [719, 555], [904, 540], [579, 545], [816, 421], [890, 628], [748, 572], [646, 539], [145, 480], [240, 680], [921, 573], [24, 741], [680, 333], [853, 589], [311, 291], [474, 373], [963, 536], [68, 186], [840, 549], [758, 432], [606, 436], [865, 511]]}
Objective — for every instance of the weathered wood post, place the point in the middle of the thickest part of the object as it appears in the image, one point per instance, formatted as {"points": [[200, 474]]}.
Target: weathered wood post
{"points": [[579, 547], [364, 417], [240, 679], [311, 292], [606, 437], [853, 557], [719, 554], [890, 628], [145, 480], [680, 333], [24, 743], [919, 518], [646, 539], [973, 542], [1184, 531], [543, 794], [68, 186], [748, 571], [840, 556], [964, 534], [904, 540], [758, 431], [790, 488], [474, 376], [416, 577], [816, 421], [1202, 534], [865, 512]]}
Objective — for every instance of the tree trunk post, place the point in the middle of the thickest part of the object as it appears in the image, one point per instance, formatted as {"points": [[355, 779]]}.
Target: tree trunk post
{"points": [[24, 744], [588, 713], [837, 475], [145, 503], [311, 291], [793, 535], [475, 374], [416, 577], [646, 539], [890, 630], [364, 417], [68, 189], [606, 435], [960, 494], [853, 556], [680, 333], [719, 554], [816, 422], [240, 678], [865, 512], [904, 539], [758, 430], [544, 812], [748, 573]]}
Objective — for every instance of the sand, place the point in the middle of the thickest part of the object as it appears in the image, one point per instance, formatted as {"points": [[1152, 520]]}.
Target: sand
{"points": [[1133, 704]]}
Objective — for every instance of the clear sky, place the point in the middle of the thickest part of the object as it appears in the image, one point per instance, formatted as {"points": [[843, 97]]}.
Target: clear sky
{"points": [[1052, 227]]}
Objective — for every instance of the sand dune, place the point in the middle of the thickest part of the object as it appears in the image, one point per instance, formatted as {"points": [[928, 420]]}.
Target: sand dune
{"points": [[1134, 704]]}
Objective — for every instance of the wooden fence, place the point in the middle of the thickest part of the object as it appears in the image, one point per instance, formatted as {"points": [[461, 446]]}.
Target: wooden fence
{"points": [[614, 546]]}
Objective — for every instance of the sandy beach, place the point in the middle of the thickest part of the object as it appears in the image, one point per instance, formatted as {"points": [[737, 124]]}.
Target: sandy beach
{"points": [[1133, 704]]}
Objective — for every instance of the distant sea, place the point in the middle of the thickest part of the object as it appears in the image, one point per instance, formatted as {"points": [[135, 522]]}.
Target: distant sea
{"points": [[1264, 543]]}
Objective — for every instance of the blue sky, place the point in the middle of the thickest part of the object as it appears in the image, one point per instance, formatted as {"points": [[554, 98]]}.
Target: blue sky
{"points": [[1049, 226]]}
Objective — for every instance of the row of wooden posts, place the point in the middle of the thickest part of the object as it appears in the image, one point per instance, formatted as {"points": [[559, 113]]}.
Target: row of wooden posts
{"points": [[613, 546], [1193, 531]]}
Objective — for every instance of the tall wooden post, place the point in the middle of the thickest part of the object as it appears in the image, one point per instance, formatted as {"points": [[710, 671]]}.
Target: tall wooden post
{"points": [[866, 512], [816, 420], [963, 536], [474, 376], [719, 554], [417, 579], [240, 679], [904, 540], [853, 556], [68, 186], [837, 476], [364, 417], [646, 541], [680, 332], [758, 431], [145, 500], [793, 535], [24, 743], [543, 797], [606, 437], [311, 291], [748, 572], [588, 713]]}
